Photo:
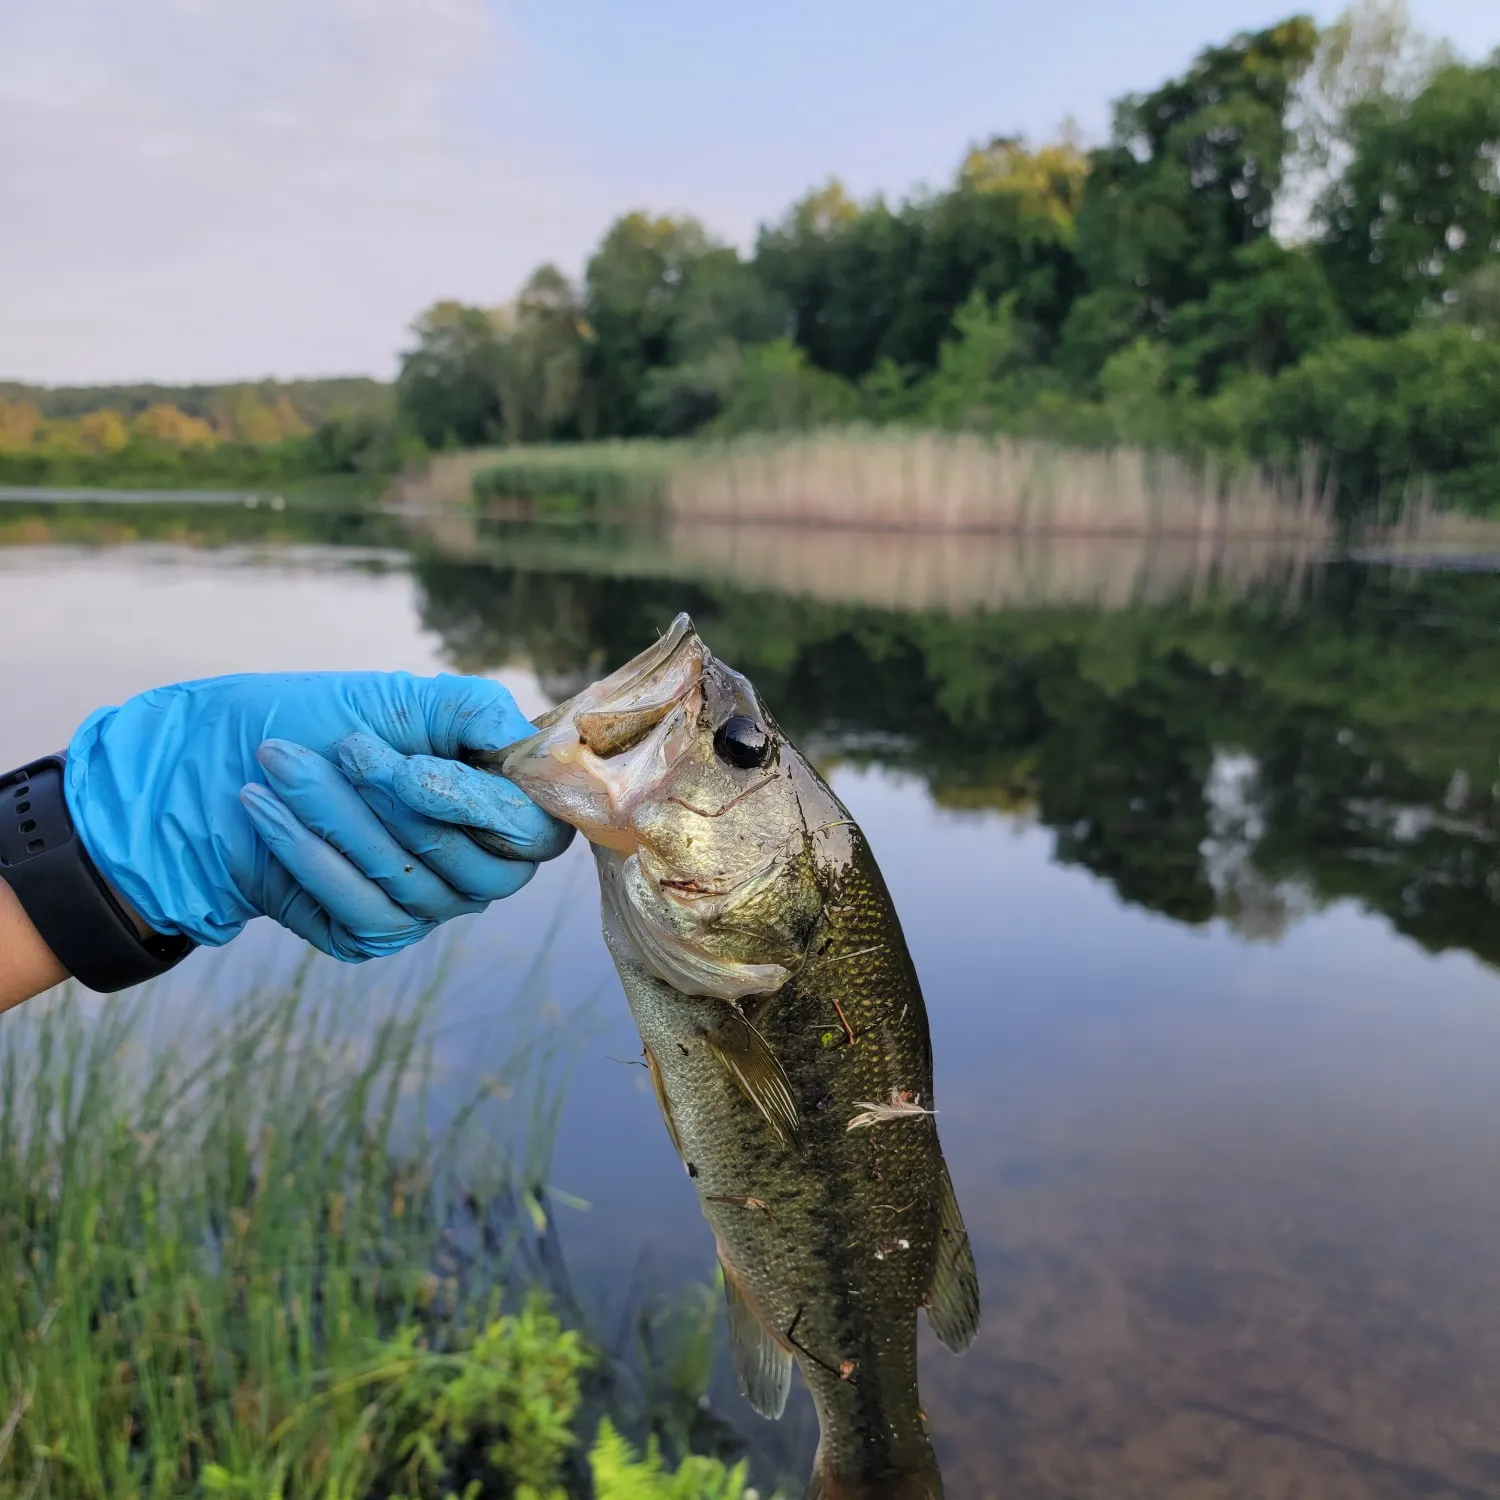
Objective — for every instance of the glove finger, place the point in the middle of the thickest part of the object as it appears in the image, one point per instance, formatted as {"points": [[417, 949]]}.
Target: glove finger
{"points": [[472, 713], [373, 925], [449, 850], [457, 795], [291, 906], [439, 715], [324, 802], [299, 913]]}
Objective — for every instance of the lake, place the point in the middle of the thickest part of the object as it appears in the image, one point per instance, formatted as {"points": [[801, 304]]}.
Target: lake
{"points": [[1196, 853]]}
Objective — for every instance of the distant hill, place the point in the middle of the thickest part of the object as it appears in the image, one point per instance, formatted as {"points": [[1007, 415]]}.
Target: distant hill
{"points": [[313, 401]]}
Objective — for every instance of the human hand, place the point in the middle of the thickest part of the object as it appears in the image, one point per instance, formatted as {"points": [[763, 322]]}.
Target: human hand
{"points": [[331, 802]]}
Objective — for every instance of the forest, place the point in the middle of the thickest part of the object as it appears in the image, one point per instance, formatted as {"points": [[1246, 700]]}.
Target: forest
{"points": [[1294, 246]]}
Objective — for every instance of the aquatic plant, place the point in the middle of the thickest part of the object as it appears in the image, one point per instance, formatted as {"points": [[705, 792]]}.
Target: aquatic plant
{"points": [[620, 1473]]}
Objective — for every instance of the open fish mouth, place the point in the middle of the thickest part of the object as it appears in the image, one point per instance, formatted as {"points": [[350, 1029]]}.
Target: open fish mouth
{"points": [[594, 758]]}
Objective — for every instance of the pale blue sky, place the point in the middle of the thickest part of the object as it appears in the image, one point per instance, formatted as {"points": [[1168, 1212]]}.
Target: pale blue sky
{"points": [[205, 189]]}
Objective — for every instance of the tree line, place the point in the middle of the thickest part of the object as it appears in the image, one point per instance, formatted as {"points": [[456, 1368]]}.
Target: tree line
{"points": [[1294, 246], [1295, 243], [247, 432]]}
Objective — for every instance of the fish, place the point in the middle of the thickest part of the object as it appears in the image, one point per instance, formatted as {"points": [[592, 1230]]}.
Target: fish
{"points": [[786, 1038]]}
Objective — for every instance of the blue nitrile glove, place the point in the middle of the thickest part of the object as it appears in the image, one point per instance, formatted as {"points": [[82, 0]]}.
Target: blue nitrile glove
{"points": [[209, 803]]}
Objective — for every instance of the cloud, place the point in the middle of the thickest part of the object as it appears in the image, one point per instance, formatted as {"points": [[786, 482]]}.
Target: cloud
{"points": [[202, 188]]}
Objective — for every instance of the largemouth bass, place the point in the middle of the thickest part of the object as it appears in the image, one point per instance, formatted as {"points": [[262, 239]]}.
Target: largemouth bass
{"points": [[787, 1042]]}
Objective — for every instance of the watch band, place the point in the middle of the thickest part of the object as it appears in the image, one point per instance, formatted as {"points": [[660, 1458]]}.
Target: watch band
{"points": [[69, 902]]}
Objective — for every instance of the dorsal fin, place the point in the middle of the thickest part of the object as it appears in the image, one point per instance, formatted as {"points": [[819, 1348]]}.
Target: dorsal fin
{"points": [[763, 1367], [953, 1298], [751, 1063]]}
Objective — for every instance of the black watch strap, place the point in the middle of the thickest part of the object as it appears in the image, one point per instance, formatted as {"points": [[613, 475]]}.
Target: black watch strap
{"points": [[70, 904]]}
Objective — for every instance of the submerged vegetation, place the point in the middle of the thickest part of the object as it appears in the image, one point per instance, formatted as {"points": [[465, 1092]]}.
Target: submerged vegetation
{"points": [[1292, 248], [254, 1268]]}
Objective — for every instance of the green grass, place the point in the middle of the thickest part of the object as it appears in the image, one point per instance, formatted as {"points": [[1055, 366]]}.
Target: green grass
{"points": [[247, 1265], [582, 478]]}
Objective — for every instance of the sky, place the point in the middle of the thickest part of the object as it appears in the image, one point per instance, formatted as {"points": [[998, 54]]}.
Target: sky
{"points": [[209, 189]]}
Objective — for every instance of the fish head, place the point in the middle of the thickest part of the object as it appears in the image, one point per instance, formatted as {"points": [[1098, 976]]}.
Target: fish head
{"points": [[712, 834]]}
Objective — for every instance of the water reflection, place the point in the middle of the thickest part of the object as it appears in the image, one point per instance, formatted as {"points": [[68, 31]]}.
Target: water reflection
{"points": [[953, 572], [1240, 758]]}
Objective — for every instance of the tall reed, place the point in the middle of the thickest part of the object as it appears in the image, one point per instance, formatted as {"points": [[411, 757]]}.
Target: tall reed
{"points": [[946, 481], [914, 480]]}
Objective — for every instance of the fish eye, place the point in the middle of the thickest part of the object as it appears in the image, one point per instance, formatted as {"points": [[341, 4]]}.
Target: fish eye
{"points": [[741, 742]]}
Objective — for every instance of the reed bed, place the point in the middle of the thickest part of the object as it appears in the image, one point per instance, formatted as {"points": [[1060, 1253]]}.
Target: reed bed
{"points": [[935, 482], [886, 479], [964, 482]]}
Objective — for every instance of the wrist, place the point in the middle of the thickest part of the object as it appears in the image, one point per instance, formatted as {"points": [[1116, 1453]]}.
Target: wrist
{"points": [[68, 902], [27, 965]]}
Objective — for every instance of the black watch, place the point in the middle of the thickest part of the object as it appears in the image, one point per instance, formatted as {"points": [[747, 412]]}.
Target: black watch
{"points": [[69, 902]]}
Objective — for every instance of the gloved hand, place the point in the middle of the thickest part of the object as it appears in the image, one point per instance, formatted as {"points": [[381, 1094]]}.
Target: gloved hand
{"points": [[328, 801]]}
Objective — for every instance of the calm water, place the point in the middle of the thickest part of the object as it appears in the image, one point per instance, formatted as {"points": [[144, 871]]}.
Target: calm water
{"points": [[1197, 859]]}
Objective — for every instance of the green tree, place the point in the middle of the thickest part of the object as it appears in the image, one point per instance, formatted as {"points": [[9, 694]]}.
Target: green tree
{"points": [[633, 283], [719, 309], [1475, 301], [1388, 410], [1372, 51], [875, 283], [1006, 230], [1418, 209], [975, 364], [1188, 182], [777, 389], [448, 390], [543, 384], [809, 258], [1277, 308]]}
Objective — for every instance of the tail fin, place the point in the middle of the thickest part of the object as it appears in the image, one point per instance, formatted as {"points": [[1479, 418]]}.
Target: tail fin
{"points": [[922, 1482]]}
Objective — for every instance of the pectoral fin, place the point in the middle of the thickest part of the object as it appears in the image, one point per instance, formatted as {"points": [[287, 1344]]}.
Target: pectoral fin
{"points": [[752, 1065], [764, 1368], [659, 1088], [953, 1299]]}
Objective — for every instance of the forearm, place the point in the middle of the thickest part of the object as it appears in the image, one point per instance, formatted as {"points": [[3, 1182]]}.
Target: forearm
{"points": [[27, 966]]}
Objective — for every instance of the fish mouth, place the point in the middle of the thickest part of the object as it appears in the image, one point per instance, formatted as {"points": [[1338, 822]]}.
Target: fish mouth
{"points": [[594, 758]]}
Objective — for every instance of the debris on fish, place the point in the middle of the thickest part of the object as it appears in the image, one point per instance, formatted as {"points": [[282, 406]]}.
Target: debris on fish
{"points": [[900, 1107]]}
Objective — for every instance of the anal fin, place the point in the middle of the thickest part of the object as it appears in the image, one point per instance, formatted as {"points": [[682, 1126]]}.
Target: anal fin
{"points": [[763, 1367], [748, 1057], [953, 1298]]}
